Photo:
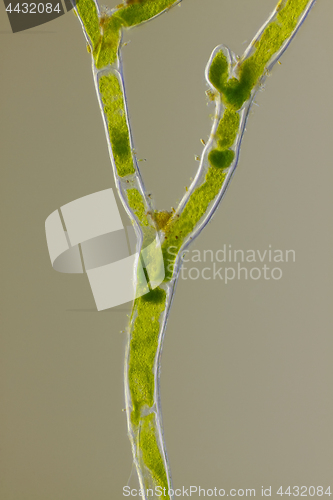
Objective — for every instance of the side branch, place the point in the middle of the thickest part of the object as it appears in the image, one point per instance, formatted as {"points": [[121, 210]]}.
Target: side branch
{"points": [[233, 82], [103, 32]]}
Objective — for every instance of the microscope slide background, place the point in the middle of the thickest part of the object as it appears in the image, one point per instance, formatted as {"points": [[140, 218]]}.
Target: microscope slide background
{"points": [[247, 373]]}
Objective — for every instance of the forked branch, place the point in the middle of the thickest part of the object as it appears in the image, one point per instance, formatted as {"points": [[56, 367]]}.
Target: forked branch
{"points": [[233, 83]]}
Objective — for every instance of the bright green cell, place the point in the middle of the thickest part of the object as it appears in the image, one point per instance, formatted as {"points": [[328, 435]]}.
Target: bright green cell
{"points": [[105, 33], [220, 159], [107, 50], [274, 36], [143, 347], [88, 13], [192, 213], [135, 201], [114, 109], [227, 129], [142, 10], [291, 12], [151, 454], [236, 91], [218, 71]]}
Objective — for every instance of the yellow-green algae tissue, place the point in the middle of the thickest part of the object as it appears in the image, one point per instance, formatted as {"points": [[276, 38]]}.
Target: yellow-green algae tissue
{"points": [[105, 32], [151, 454], [196, 207], [236, 91], [136, 203], [227, 129], [220, 159], [222, 156], [106, 50], [141, 11], [87, 12], [143, 347], [113, 104]]}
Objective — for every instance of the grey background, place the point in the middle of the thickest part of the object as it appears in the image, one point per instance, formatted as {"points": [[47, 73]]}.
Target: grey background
{"points": [[247, 367]]}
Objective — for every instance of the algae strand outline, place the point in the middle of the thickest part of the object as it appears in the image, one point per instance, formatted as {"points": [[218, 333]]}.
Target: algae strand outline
{"points": [[233, 82]]}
